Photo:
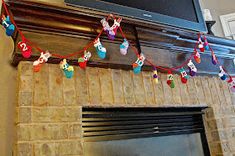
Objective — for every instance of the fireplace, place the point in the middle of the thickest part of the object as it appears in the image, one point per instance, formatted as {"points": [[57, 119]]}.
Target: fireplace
{"points": [[144, 131], [55, 123]]}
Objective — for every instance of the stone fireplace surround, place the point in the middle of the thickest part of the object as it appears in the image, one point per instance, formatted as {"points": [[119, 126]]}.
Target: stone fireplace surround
{"points": [[49, 105]]}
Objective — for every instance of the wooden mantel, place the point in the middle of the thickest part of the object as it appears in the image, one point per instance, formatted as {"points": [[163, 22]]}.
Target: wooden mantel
{"points": [[65, 29]]}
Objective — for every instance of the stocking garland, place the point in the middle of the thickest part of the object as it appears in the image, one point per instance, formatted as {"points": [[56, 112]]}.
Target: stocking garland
{"points": [[26, 51]]}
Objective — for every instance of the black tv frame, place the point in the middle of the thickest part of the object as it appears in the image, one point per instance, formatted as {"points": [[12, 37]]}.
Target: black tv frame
{"points": [[135, 13]]}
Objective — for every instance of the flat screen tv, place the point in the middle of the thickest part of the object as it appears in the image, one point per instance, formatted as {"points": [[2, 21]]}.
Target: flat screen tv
{"points": [[185, 14]]}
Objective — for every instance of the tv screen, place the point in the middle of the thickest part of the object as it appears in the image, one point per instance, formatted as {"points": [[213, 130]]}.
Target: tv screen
{"points": [[179, 13]]}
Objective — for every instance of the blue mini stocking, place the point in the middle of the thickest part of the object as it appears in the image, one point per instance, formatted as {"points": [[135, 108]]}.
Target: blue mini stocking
{"points": [[10, 28], [101, 51], [68, 70], [137, 66]]}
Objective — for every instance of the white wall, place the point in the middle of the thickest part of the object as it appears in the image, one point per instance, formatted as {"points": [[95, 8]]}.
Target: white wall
{"points": [[218, 8]]}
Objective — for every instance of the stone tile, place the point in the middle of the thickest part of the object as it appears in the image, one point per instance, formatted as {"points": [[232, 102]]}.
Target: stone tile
{"points": [[48, 114], [41, 82], [81, 85], [44, 149], [23, 115], [148, 86], [139, 91], [24, 149], [23, 132], [158, 91], [117, 86], [94, 86], [25, 83], [75, 131], [25, 68], [69, 91], [68, 148], [176, 92], [128, 87], [106, 86], [25, 99], [55, 86], [49, 131]]}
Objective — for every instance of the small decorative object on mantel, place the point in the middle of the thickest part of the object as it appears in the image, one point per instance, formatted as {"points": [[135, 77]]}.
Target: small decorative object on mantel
{"points": [[200, 44], [170, 79], [222, 74], [124, 47], [213, 58], [197, 56], [111, 31], [137, 66], [155, 75], [41, 60], [82, 61], [184, 76], [206, 44], [68, 70], [6, 22], [100, 49], [231, 83], [192, 68]]}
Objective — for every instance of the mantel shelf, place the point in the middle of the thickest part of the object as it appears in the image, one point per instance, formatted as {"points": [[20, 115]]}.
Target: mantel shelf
{"points": [[65, 29]]}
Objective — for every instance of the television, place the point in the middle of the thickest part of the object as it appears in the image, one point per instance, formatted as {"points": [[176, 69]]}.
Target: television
{"points": [[184, 14]]}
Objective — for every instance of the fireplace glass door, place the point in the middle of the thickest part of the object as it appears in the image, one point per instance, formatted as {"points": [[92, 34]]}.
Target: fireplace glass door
{"points": [[144, 132]]}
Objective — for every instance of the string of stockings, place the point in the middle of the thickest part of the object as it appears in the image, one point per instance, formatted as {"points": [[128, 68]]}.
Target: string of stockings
{"points": [[111, 32]]}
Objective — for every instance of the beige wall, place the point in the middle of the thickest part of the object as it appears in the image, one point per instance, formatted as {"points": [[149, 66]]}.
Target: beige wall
{"points": [[218, 8], [7, 95]]}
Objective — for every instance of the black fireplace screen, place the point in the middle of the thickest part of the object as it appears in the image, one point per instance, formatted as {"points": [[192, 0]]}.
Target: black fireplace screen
{"points": [[106, 125]]}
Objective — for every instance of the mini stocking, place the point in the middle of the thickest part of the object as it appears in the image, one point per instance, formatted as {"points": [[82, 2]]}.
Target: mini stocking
{"points": [[213, 58], [10, 28], [82, 61], [41, 60], [200, 45], [206, 44], [68, 70], [101, 51], [114, 28], [192, 68], [222, 74], [170, 79], [155, 75], [25, 49], [184, 76], [106, 26], [137, 66], [231, 84], [123, 47], [197, 56]]}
